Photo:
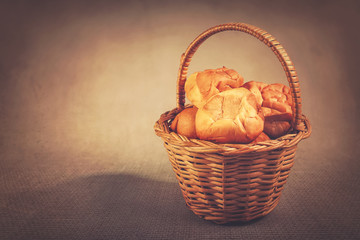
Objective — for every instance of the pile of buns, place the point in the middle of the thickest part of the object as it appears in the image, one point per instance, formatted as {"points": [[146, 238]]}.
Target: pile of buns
{"points": [[227, 110]]}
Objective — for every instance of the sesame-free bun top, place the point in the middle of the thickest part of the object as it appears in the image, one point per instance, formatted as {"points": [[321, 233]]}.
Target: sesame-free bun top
{"points": [[232, 116], [200, 86], [184, 122]]}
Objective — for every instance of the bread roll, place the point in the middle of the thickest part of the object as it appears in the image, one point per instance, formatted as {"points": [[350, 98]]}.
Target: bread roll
{"points": [[277, 109], [261, 138], [232, 116], [184, 122], [200, 86], [273, 114], [276, 128], [256, 88], [277, 98]]}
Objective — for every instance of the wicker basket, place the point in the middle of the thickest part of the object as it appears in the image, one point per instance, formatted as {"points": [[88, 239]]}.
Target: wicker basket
{"points": [[233, 182]]}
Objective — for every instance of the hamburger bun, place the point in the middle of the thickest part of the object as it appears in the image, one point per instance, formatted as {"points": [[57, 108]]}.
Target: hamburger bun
{"points": [[232, 116], [201, 86]]}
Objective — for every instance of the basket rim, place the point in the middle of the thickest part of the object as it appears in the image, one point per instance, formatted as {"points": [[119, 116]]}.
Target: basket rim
{"points": [[163, 130]]}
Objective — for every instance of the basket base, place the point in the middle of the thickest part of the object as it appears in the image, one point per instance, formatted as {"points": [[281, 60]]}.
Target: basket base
{"points": [[243, 215], [224, 184]]}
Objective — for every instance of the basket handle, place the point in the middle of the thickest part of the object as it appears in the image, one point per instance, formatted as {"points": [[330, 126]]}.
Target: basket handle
{"points": [[263, 36]]}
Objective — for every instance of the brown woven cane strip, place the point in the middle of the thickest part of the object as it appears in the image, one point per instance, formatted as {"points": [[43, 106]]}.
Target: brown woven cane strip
{"points": [[289, 140], [228, 189]]}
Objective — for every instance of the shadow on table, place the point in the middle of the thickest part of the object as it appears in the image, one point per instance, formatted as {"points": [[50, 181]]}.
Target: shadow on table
{"points": [[100, 207]]}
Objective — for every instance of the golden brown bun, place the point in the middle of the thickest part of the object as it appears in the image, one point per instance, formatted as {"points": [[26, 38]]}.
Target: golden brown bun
{"points": [[184, 122], [277, 98], [256, 88], [277, 109], [200, 86], [261, 138], [232, 116], [276, 128], [273, 114]]}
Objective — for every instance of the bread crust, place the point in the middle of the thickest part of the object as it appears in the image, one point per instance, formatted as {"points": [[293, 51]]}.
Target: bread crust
{"points": [[232, 116], [256, 88], [184, 122], [201, 86], [277, 109], [261, 138], [276, 128], [277, 97]]}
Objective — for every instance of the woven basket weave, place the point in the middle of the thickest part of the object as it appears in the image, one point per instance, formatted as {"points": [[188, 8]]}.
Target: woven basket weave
{"points": [[233, 182]]}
